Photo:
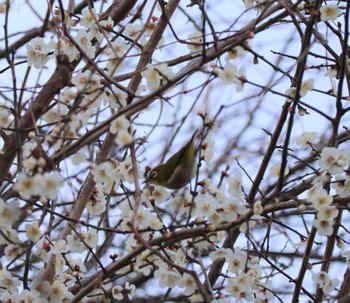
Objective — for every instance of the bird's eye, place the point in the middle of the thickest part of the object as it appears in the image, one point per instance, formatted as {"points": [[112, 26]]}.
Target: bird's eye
{"points": [[154, 174]]}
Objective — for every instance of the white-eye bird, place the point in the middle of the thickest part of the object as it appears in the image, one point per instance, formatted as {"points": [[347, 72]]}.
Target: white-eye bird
{"points": [[179, 170]]}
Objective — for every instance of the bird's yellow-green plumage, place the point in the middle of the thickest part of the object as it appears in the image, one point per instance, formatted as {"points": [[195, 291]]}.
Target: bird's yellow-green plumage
{"points": [[178, 170]]}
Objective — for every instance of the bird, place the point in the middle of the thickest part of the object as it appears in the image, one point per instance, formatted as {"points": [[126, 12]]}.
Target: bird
{"points": [[178, 170]]}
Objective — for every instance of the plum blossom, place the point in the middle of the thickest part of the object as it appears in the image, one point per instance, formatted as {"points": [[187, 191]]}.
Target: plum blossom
{"points": [[230, 74], [134, 31], [86, 81], [342, 185], [197, 39], [9, 213], [189, 283], [87, 20], [167, 276], [324, 226], [38, 52], [33, 231], [236, 260], [258, 208], [334, 160], [239, 287], [327, 213], [117, 292], [83, 39], [319, 197], [8, 282], [234, 53], [68, 49], [329, 12], [306, 86], [306, 138], [157, 75]]}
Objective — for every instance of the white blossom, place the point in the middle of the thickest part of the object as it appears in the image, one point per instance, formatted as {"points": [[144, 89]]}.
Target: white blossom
{"points": [[291, 93], [38, 52], [234, 53], [129, 289], [121, 123], [235, 184], [60, 292], [33, 231], [258, 208], [306, 86], [306, 138], [219, 253], [91, 238], [331, 72], [197, 39], [205, 206], [51, 182], [189, 283], [264, 292], [117, 292], [319, 197], [321, 278], [168, 276], [232, 207], [229, 73], [330, 285], [117, 98], [83, 39], [7, 281], [134, 31], [334, 160], [68, 49], [249, 3], [127, 171], [324, 226], [86, 81], [236, 260], [116, 48], [239, 287], [9, 213], [157, 75], [87, 20], [327, 213], [329, 12], [75, 241], [342, 185], [102, 29], [96, 207], [123, 138], [12, 251]]}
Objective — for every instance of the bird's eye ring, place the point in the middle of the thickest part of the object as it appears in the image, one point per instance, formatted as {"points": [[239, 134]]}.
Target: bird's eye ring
{"points": [[154, 174]]}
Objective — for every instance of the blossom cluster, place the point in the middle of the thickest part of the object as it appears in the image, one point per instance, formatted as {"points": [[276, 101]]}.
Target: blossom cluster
{"points": [[324, 281], [68, 269], [221, 206], [230, 74], [157, 75], [305, 87], [333, 161]]}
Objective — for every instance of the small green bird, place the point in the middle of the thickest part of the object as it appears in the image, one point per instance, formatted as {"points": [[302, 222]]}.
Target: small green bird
{"points": [[179, 170]]}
